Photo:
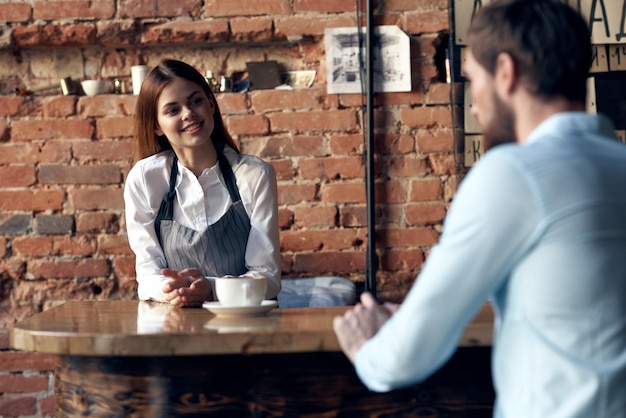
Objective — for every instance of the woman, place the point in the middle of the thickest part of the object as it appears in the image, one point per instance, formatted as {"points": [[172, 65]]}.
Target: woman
{"points": [[195, 207]]}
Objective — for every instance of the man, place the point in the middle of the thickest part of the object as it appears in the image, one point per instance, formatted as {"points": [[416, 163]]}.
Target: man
{"points": [[538, 227]]}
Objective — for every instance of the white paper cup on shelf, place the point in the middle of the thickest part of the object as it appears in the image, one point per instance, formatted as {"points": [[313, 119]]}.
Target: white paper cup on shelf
{"points": [[138, 73]]}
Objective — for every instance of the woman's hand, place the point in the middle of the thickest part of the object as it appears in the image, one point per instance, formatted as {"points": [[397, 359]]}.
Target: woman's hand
{"points": [[186, 287]]}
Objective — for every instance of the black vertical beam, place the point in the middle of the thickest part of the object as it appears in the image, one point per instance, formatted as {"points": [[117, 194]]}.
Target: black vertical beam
{"points": [[371, 267]]}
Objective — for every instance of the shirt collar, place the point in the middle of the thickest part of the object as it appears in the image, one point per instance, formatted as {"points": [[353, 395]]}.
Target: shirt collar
{"points": [[572, 123]]}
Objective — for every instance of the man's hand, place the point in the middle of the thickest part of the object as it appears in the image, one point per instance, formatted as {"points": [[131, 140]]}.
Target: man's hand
{"points": [[186, 287], [360, 324]]}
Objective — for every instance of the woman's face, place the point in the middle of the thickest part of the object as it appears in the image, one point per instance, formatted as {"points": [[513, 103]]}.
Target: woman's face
{"points": [[184, 115]]}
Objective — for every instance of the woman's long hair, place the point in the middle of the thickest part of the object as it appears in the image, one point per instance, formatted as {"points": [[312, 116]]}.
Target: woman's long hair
{"points": [[147, 142]]}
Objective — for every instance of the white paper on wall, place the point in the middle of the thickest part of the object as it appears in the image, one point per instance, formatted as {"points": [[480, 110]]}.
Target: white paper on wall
{"points": [[346, 66]]}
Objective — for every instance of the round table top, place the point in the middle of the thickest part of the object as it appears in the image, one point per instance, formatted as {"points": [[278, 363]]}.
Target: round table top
{"points": [[138, 328]]}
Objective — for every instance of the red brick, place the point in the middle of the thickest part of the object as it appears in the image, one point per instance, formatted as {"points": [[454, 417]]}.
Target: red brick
{"points": [[67, 34], [291, 146], [438, 94], [309, 240], [100, 198], [385, 119], [102, 151], [29, 200], [442, 164], [429, 214], [26, 130], [232, 104], [247, 125], [238, 8], [47, 406], [24, 246], [426, 190], [450, 187], [115, 127], [59, 269], [177, 32], [3, 130], [304, 25], [11, 106], [251, 29], [402, 259], [329, 262], [20, 384], [17, 175], [408, 5], [295, 193], [285, 218], [125, 267], [325, 6], [343, 192], [281, 100], [315, 217], [332, 168], [159, 8], [353, 216], [76, 174], [329, 120], [14, 269], [85, 9], [14, 12], [23, 153], [17, 406], [59, 106], [117, 33], [97, 222], [21, 360], [427, 117], [346, 144], [113, 244], [3, 251], [427, 22], [389, 192], [82, 245], [435, 141], [107, 105], [406, 237], [284, 169], [394, 144]]}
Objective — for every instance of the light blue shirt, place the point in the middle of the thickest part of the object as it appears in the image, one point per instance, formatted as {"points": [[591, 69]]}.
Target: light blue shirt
{"points": [[540, 230]]}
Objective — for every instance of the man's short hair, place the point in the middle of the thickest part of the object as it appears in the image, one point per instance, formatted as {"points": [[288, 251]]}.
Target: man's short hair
{"points": [[549, 41]]}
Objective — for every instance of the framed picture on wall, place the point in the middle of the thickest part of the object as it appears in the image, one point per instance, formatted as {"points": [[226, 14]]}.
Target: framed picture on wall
{"points": [[346, 57]]}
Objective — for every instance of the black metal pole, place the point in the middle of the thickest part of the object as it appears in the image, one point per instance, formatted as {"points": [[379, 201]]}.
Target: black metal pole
{"points": [[370, 277]]}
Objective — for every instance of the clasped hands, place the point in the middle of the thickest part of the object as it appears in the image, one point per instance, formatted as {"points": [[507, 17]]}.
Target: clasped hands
{"points": [[361, 323], [187, 287]]}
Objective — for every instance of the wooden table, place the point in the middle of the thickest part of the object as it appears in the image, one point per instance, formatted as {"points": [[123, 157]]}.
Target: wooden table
{"points": [[144, 359]]}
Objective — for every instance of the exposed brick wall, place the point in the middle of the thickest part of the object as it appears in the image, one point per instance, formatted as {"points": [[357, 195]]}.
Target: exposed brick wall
{"points": [[63, 159]]}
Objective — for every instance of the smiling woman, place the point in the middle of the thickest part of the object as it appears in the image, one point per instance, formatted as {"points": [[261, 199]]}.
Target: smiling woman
{"points": [[196, 208]]}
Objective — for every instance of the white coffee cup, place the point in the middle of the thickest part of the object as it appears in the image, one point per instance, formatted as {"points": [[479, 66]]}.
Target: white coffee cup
{"points": [[138, 73], [240, 291]]}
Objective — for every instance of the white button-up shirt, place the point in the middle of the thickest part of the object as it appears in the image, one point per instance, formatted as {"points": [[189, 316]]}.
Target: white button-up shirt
{"points": [[200, 202], [540, 229]]}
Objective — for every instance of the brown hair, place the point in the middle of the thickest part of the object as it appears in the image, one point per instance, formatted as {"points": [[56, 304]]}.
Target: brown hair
{"points": [[549, 41], [147, 142]]}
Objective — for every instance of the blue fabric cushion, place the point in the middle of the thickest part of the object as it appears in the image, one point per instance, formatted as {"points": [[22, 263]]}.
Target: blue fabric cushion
{"points": [[316, 291]]}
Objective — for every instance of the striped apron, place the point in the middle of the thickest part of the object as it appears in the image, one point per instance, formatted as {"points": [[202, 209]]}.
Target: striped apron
{"points": [[220, 249]]}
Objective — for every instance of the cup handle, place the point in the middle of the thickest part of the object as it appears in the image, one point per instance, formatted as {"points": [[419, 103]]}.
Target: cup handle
{"points": [[246, 291]]}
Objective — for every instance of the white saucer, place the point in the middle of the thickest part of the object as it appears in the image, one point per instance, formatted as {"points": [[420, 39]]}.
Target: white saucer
{"points": [[220, 310]]}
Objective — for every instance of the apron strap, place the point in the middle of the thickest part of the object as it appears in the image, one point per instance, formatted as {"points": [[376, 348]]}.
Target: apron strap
{"points": [[166, 210], [229, 178]]}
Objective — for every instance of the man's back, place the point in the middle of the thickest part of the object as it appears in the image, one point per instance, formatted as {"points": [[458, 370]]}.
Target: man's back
{"points": [[560, 347]]}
